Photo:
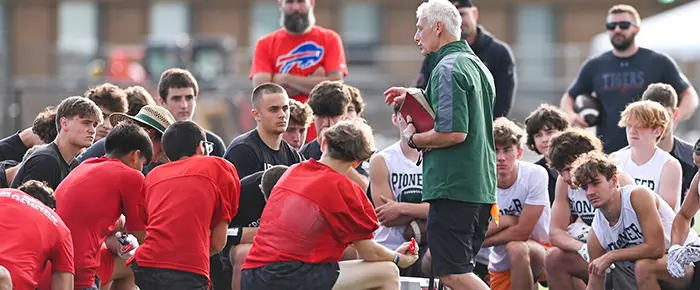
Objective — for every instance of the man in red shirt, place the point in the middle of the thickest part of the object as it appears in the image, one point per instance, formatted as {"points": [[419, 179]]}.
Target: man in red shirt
{"points": [[35, 235], [188, 205], [299, 55], [115, 184], [313, 214]]}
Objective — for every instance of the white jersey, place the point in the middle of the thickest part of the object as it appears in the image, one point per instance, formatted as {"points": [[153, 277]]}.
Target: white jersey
{"points": [[530, 188], [580, 206], [406, 181], [647, 174], [627, 232]]}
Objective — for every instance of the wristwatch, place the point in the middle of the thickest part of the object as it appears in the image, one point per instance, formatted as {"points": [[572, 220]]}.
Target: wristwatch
{"points": [[410, 142]]}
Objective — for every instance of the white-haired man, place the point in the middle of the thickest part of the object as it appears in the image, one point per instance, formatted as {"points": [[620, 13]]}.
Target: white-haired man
{"points": [[461, 191]]}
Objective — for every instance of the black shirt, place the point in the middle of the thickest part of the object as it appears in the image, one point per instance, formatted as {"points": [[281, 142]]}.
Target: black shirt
{"points": [[45, 164], [498, 58], [683, 152], [617, 82], [96, 150], [250, 154], [252, 202], [553, 174], [312, 150], [12, 148], [219, 147], [4, 165]]}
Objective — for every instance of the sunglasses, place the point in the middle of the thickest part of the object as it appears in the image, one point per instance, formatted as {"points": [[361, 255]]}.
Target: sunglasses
{"points": [[622, 24]]}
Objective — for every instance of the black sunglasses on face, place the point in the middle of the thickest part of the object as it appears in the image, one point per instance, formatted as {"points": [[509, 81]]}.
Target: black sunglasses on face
{"points": [[622, 24]]}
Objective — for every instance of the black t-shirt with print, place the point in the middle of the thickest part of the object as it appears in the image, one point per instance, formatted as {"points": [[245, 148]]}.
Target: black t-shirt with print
{"points": [[619, 81], [250, 154], [219, 147]]}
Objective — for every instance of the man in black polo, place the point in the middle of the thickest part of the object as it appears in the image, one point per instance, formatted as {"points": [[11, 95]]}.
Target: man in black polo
{"points": [[494, 53]]}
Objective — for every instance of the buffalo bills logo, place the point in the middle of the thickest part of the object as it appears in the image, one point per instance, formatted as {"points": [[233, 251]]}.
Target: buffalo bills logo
{"points": [[303, 56]]}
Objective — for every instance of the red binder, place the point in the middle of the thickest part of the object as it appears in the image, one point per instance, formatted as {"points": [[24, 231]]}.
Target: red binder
{"points": [[417, 106]]}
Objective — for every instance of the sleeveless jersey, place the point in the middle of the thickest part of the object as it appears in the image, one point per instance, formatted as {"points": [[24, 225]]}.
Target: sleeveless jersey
{"points": [[627, 232], [580, 206], [647, 174], [406, 181], [530, 188]]}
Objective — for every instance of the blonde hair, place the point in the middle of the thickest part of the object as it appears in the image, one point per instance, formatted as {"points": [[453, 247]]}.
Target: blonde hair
{"points": [[624, 8], [646, 114], [506, 133]]}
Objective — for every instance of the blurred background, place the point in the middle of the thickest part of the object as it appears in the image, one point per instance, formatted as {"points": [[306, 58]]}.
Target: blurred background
{"points": [[52, 49]]}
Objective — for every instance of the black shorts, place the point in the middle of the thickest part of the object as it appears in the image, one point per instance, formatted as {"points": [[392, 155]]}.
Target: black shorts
{"points": [[164, 279], [456, 230], [291, 275]]}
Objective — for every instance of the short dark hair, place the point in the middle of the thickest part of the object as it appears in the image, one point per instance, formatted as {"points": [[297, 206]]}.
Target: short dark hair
{"points": [[181, 139], [137, 97], [270, 177], [356, 99], [39, 190], [108, 96], [349, 141], [44, 124], [546, 117], [264, 89], [127, 137], [661, 93], [569, 145], [329, 99], [176, 78], [77, 106]]}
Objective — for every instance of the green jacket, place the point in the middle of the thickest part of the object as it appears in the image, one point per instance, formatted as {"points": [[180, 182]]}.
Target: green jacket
{"points": [[461, 92]]}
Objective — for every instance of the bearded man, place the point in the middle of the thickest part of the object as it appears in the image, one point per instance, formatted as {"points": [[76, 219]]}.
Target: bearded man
{"points": [[299, 55], [620, 76]]}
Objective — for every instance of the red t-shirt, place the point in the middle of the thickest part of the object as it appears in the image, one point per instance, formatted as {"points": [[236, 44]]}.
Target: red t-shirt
{"points": [[32, 235], [184, 201], [313, 214], [299, 54], [89, 201]]}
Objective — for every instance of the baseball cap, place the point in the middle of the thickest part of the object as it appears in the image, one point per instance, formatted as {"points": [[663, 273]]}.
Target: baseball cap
{"points": [[153, 116], [696, 148], [462, 3]]}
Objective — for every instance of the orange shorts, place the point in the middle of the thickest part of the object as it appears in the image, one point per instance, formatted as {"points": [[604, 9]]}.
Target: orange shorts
{"points": [[106, 268], [502, 280]]}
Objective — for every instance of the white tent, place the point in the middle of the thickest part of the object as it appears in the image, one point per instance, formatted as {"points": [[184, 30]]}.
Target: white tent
{"points": [[674, 32]]}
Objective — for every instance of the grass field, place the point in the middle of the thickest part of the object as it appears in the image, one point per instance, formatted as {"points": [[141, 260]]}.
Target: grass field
{"points": [[696, 228]]}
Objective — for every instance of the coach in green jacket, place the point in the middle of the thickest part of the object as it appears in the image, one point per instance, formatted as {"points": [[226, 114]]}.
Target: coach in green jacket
{"points": [[459, 163]]}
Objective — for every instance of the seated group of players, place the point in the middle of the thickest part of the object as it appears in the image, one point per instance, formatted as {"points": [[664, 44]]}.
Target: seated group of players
{"points": [[609, 221], [575, 218]]}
